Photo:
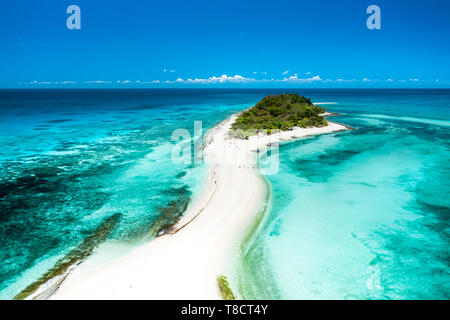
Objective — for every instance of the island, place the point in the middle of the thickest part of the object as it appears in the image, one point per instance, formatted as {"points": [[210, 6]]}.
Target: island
{"points": [[217, 225], [279, 113]]}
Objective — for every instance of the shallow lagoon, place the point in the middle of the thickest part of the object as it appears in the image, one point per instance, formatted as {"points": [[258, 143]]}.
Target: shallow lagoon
{"points": [[362, 214]]}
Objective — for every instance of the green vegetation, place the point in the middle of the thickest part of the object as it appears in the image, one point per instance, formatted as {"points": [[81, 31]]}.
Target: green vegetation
{"points": [[278, 112], [224, 288]]}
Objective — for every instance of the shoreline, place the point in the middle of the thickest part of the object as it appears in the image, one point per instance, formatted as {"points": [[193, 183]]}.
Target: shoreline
{"points": [[184, 261]]}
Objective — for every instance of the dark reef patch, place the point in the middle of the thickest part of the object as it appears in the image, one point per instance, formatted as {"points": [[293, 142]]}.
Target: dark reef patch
{"points": [[75, 256], [181, 174], [320, 166], [173, 211], [59, 121]]}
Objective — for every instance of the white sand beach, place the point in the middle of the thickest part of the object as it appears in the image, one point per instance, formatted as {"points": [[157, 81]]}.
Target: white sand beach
{"points": [[184, 262]]}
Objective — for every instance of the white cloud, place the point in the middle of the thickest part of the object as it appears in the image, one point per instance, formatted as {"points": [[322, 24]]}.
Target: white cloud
{"points": [[222, 79], [295, 78], [285, 72], [340, 80], [370, 80], [147, 82], [38, 82], [35, 82], [97, 81], [240, 79]]}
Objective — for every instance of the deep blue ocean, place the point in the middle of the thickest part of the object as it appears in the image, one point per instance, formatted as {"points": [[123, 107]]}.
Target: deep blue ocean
{"points": [[362, 214]]}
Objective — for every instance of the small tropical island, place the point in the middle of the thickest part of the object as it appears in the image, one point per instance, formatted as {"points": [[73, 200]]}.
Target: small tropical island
{"points": [[279, 113], [234, 191]]}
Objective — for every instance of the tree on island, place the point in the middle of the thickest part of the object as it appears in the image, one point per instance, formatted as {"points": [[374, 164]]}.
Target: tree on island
{"points": [[278, 113]]}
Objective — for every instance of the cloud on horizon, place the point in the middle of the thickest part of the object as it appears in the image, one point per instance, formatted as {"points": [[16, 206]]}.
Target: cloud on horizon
{"points": [[295, 78], [224, 79]]}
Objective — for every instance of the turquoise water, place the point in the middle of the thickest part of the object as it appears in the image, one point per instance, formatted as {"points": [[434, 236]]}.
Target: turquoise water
{"points": [[71, 159], [360, 214]]}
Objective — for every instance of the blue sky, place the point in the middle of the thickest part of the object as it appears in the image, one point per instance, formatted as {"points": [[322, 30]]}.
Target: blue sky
{"points": [[210, 43]]}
